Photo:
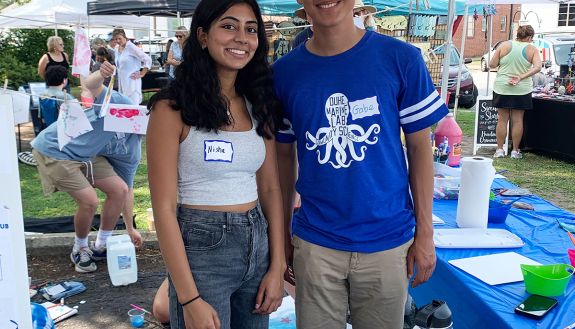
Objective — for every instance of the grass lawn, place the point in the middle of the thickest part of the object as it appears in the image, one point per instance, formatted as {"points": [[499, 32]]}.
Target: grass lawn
{"points": [[549, 178]]}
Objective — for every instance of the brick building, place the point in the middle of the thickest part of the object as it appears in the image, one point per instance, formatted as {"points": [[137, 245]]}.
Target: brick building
{"points": [[477, 30]]}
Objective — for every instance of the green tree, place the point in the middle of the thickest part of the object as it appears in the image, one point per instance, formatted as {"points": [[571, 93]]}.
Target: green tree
{"points": [[6, 3], [21, 50]]}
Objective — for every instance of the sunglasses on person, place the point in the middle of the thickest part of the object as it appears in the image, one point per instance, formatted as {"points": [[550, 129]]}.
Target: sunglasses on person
{"points": [[179, 36]]}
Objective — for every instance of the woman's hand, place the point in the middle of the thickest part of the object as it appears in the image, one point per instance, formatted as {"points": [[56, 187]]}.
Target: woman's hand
{"points": [[136, 75], [271, 292], [201, 315], [136, 238], [514, 80]]}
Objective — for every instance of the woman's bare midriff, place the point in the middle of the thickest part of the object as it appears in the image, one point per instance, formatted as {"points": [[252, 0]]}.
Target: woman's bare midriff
{"points": [[227, 208]]}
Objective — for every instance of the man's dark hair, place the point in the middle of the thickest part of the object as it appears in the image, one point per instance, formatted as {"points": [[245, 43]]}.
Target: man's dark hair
{"points": [[55, 75]]}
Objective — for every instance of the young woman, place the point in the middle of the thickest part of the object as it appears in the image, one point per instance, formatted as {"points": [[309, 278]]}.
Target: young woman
{"points": [[213, 173], [518, 61], [129, 60]]}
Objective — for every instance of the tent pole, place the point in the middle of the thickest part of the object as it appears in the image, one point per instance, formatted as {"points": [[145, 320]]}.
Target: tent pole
{"points": [[447, 52], [461, 56], [489, 41]]}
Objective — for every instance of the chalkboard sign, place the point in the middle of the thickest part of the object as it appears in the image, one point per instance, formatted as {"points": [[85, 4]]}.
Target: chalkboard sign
{"points": [[485, 124]]}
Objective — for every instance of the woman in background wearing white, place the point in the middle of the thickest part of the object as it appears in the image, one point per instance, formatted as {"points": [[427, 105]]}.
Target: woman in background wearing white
{"points": [[129, 60]]}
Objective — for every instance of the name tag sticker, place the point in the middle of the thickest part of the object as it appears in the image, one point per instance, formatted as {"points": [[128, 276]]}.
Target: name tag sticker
{"points": [[220, 151], [364, 108]]}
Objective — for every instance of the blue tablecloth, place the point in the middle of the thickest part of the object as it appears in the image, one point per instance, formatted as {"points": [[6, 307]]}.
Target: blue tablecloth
{"points": [[476, 304]]}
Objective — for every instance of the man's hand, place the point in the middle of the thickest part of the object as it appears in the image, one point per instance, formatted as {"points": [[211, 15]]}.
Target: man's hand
{"points": [[107, 69], [421, 254]]}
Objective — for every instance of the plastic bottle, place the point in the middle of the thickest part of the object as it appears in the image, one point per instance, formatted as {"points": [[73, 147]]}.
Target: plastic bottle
{"points": [[122, 265], [447, 127]]}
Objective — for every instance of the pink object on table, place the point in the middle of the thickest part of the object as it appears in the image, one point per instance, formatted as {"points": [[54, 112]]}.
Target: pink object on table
{"points": [[571, 253], [447, 127]]}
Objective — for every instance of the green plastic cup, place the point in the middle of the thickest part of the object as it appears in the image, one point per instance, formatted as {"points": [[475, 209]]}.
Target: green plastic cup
{"points": [[547, 280]]}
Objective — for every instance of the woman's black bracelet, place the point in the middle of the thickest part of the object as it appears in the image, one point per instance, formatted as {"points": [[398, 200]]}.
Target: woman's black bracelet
{"points": [[191, 300]]}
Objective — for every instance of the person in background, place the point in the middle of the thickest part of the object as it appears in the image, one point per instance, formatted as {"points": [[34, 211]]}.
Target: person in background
{"points": [[54, 96], [54, 57], [517, 60], [305, 34], [350, 251], [94, 45], [132, 64], [77, 170], [165, 56], [213, 173], [103, 54], [365, 15], [175, 54]]}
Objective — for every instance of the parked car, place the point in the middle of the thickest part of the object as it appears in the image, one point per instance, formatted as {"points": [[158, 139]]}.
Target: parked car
{"points": [[557, 52], [486, 57], [467, 89]]}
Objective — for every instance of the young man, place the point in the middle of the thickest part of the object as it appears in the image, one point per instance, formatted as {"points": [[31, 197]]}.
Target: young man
{"points": [[54, 96], [76, 169], [358, 235]]}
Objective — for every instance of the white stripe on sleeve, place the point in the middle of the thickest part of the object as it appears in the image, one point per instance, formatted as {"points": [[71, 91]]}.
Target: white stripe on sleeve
{"points": [[422, 114], [419, 105]]}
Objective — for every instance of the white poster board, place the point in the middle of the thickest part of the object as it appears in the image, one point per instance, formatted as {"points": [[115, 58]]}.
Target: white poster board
{"points": [[14, 295], [486, 124], [36, 89], [20, 106]]}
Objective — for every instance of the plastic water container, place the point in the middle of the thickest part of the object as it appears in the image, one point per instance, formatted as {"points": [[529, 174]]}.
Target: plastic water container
{"points": [[122, 265], [447, 127]]}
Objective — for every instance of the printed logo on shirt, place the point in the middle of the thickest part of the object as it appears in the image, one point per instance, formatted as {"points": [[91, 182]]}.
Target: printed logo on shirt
{"points": [[220, 151], [341, 135]]}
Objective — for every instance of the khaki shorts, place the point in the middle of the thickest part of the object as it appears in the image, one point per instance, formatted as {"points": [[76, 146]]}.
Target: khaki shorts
{"points": [[70, 176], [373, 286]]}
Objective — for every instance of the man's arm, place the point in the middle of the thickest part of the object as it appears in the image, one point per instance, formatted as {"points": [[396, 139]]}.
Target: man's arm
{"points": [[421, 254], [287, 170]]}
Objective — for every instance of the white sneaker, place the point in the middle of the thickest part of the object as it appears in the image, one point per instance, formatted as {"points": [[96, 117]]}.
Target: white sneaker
{"points": [[516, 155], [499, 153]]}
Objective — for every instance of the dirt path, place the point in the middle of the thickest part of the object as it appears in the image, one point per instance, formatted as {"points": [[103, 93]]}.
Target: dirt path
{"points": [[105, 306]]}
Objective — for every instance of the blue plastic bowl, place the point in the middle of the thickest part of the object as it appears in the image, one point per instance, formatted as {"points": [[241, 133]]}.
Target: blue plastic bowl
{"points": [[498, 212]]}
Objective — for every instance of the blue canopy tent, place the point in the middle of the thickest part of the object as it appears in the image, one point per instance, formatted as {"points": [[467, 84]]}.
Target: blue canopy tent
{"points": [[437, 7]]}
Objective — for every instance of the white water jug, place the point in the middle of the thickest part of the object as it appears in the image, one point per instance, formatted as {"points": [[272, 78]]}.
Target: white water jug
{"points": [[122, 265]]}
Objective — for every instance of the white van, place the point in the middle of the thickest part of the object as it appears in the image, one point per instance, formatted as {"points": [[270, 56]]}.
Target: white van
{"points": [[555, 49]]}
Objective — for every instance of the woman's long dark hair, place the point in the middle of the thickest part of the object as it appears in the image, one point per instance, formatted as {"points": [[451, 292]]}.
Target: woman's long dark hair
{"points": [[196, 91]]}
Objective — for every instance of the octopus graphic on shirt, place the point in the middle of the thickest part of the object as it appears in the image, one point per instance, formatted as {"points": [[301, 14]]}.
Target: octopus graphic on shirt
{"points": [[348, 141]]}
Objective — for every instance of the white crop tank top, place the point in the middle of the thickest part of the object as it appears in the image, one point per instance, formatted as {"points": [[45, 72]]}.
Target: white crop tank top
{"points": [[218, 169]]}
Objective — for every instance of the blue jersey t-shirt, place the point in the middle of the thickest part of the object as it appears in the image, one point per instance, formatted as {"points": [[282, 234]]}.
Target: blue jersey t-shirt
{"points": [[345, 112]]}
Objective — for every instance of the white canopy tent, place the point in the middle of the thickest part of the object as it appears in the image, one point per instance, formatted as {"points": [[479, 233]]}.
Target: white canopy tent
{"points": [[49, 14]]}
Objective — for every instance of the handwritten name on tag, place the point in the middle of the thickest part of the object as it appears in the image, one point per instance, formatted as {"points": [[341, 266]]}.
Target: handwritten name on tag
{"points": [[364, 108], [215, 150]]}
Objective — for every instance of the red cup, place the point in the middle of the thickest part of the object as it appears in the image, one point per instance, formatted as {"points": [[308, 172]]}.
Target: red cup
{"points": [[571, 253]]}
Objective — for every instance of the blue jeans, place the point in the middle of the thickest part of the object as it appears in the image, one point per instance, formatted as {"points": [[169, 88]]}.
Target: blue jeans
{"points": [[228, 254]]}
